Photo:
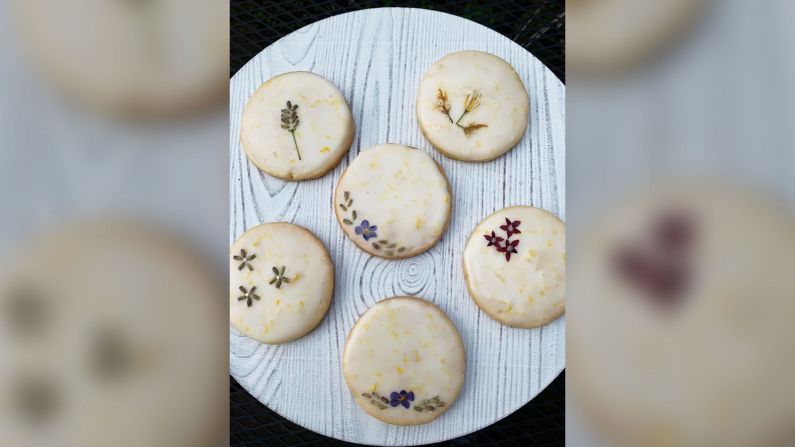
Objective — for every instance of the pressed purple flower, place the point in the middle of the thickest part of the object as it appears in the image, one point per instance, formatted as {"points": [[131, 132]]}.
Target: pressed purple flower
{"points": [[366, 231], [401, 398]]}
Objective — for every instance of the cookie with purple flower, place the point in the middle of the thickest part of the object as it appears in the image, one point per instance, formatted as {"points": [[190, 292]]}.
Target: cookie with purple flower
{"points": [[514, 266], [406, 370], [393, 201]]}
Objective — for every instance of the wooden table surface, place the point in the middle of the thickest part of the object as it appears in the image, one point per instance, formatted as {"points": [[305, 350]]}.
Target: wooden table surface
{"points": [[376, 58]]}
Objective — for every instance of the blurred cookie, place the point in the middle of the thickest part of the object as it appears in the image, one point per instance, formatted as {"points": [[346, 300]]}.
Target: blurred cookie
{"points": [[515, 266], [110, 327], [472, 106], [393, 201], [404, 361], [281, 281], [608, 36], [680, 325], [296, 126], [131, 57]]}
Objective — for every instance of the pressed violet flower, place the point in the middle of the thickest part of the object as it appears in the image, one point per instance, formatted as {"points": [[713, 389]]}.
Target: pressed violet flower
{"points": [[401, 398], [366, 231], [510, 228], [493, 239]]}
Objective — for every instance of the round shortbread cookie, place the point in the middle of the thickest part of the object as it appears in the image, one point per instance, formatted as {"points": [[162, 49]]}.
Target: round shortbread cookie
{"points": [[472, 106], [109, 328], [141, 58], [608, 36], [681, 328], [515, 266], [296, 126], [404, 361], [393, 201], [281, 281]]}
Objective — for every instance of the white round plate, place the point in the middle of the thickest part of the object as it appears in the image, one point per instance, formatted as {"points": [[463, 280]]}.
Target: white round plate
{"points": [[377, 57]]}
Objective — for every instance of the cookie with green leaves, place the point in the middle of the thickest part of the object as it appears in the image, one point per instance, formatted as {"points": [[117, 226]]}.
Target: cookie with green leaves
{"points": [[281, 281]]}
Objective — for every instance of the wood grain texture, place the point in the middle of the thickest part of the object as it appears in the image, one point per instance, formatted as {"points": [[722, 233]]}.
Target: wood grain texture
{"points": [[376, 57]]}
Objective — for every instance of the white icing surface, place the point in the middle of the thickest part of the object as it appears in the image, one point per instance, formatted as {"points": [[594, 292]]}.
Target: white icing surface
{"points": [[323, 135], [529, 290], [404, 344], [399, 190], [293, 310], [504, 105]]}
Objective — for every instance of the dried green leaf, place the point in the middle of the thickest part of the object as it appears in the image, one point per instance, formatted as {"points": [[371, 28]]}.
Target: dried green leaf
{"points": [[348, 222], [344, 208], [376, 246], [347, 195], [354, 215]]}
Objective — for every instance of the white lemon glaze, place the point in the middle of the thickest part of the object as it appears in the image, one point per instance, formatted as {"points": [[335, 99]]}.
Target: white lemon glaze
{"points": [[503, 105], [529, 289], [296, 307], [399, 190], [323, 135], [404, 344]]}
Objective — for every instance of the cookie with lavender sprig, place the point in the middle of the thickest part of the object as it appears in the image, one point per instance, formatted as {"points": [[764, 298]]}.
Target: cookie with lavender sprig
{"points": [[393, 201], [296, 126]]}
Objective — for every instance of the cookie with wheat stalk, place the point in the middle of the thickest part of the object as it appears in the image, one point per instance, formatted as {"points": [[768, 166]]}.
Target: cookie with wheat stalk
{"points": [[472, 106]]}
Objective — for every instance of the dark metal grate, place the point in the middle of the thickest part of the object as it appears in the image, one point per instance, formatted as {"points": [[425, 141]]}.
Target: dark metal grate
{"points": [[539, 423], [538, 26]]}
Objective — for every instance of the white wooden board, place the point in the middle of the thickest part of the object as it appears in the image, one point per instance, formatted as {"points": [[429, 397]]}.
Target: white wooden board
{"points": [[376, 57]]}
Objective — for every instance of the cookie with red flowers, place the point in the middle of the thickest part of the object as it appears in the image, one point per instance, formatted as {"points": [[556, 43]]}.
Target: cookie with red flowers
{"points": [[515, 266]]}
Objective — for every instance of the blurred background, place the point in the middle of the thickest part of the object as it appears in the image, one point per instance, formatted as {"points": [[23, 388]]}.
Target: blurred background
{"points": [[113, 170], [681, 234], [113, 129], [536, 25]]}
